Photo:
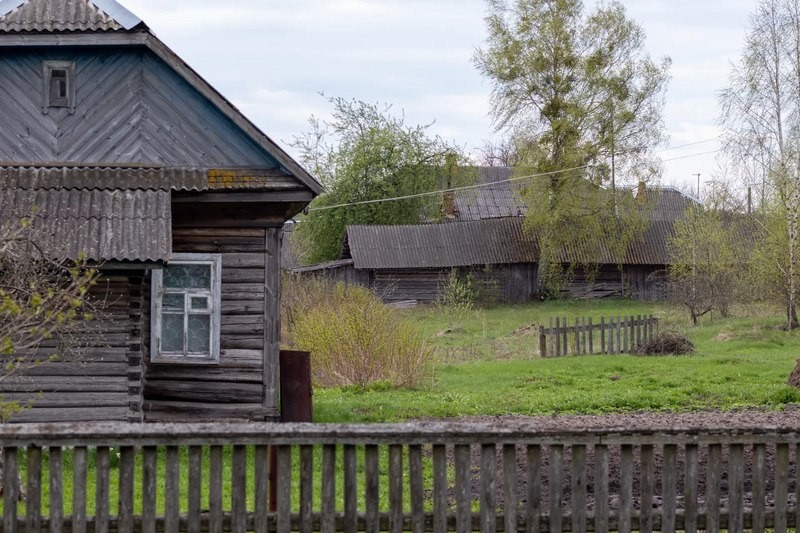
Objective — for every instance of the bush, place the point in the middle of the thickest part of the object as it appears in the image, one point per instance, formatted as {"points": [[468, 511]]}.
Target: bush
{"points": [[354, 339]]}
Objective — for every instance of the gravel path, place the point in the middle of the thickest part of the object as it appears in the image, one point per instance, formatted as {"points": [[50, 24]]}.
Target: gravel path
{"points": [[788, 418]]}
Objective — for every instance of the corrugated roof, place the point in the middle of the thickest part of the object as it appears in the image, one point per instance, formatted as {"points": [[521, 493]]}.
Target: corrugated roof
{"points": [[63, 16], [143, 177], [485, 242], [101, 225]]}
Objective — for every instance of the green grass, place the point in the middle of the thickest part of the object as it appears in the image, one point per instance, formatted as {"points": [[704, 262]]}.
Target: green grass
{"points": [[487, 369]]}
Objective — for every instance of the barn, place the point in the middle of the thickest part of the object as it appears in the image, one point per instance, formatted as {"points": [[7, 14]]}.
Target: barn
{"points": [[485, 239], [131, 159]]}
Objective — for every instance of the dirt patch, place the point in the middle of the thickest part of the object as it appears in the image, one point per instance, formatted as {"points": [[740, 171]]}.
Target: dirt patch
{"points": [[725, 336], [530, 329], [788, 418]]}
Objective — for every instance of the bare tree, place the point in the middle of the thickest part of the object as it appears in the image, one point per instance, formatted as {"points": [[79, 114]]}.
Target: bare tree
{"points": [[45, 304], [761, 117]]}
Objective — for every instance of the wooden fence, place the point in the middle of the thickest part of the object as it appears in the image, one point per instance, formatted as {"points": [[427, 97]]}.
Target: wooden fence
{"points": [[619, 334], [406, 477]]}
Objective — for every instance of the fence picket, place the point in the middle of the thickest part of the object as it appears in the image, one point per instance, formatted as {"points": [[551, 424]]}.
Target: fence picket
{"points": [[56, 491], [646, 490], [238, 489], [601, 488], [759, 474], [102, 467], [350, 489], [552, 351], [440, 488], [510, 486], [125, 508], [591, 337], [327, 523], [79, 455], [781, 485], [395, 488], [215, 489], [306, 487], [488, 486], [172, 503], [33, 504], [195, 485], [735, 488], [371, 473], [619, 334], [690, 489], [564, 344], [261, 488], [603, 347], [463, 489], [579, 488], [149, 473], [556, 468], [669, 488], [558, 338], [10, 489], [415, 486], [284, 478], [625, 488], [714, 469], [534, 495]]}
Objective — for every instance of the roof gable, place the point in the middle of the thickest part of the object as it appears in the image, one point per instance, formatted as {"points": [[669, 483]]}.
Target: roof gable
{"points": [[65, 16]]}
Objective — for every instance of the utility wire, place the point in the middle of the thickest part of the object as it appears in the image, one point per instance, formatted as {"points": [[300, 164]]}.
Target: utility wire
{"points": [[479, 185], [688, 144]]}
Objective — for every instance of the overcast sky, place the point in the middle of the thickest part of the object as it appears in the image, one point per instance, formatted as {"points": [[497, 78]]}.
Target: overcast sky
{"points": [[272, 58]]}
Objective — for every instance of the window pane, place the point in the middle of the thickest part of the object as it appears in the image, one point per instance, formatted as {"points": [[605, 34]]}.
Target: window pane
{"points": [[199, 303], [174, 302], [200, 334], [172, 333], [187, 277]]}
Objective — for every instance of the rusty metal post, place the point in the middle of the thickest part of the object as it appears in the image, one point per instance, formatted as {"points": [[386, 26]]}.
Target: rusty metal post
{"points": [[295, 383]]}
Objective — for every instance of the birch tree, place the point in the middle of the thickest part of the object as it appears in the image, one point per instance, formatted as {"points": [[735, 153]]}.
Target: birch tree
{"points": [[580, 88], [761, 118]]}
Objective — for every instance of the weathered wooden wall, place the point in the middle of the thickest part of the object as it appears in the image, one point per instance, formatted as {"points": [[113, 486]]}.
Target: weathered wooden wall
{"points": [[235, 388], [131, 108], [101, 382], [645, 282]]}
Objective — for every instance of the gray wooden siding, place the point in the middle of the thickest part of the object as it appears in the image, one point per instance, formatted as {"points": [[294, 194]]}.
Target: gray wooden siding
{"points": [[131, 108], [98, 385], [235, 387]]}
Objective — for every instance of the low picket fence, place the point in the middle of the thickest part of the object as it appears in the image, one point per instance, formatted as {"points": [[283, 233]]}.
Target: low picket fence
{"points": [[419, 477], [612, 335]]}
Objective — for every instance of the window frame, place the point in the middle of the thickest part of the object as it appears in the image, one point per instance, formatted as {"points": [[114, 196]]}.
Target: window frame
{"points": [[47, 71], [156, 306]]}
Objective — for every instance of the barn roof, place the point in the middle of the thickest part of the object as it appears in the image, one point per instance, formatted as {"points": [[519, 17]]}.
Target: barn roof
{"points": [[502, 198], [485, 242]]}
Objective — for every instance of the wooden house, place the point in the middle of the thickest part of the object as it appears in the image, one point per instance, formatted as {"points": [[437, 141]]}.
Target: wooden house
{"points": [[486, 239], [129, 157]]}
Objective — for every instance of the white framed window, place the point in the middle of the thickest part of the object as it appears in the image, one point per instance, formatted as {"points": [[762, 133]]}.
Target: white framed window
{"points": [[185, 310]]}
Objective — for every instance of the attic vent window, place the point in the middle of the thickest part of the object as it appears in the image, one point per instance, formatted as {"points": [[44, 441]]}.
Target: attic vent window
{"points": [[59, 86]]}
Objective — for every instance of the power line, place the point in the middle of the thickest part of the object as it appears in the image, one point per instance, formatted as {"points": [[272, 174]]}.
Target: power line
{"points": [[688, 144], [479, 185]]}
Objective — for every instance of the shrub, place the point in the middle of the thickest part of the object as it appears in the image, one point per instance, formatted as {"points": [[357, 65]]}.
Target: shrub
{"points": [[354, 339]]}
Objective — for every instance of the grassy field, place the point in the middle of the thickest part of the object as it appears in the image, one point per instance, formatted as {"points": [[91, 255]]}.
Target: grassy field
{"points": [[488, 365]]}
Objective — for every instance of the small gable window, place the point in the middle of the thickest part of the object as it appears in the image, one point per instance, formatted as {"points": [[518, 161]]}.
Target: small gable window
{"points": [[59, 86], [186, 310]]}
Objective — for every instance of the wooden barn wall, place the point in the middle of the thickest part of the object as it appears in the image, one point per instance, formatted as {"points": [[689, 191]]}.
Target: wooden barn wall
{"points": [[239, 387], [130, 108], [495, 283], [645, 282], [344, 274], [101, 381]]}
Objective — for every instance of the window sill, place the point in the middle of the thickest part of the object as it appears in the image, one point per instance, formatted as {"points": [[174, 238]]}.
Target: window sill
{"points": [[193, 361]]}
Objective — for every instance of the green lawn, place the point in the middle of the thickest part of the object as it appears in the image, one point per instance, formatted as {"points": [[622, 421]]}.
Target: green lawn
{"points": [[489, 366]]}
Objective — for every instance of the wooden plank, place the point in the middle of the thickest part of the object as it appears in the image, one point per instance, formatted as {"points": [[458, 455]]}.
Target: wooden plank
{"points": [[510, 486], [579, 488], [33, 503], [564, 343], [601, 488], [714, 469], [534, 493], [350, 489], [781, 486], [463, 489], [440, 488], [195, 486], [603, 347], [591, 337], [125, 484], [306, 487], [172, 490], [102, 467], [239, 489], [56, 490], [555, 480], [262, 488], [371, 487], [669, 488], [576, 346], [647, 489], [542, 342], [215, 489], [327, 520], [690, 489], [395, 488], [488, 507], [10, 489], [552, 351], [284, 489], [619, 334], [735, 488], [758, 480], [558, 337], [149, 477], [272, 315], [625, 488], [416, 489], [638, 330], [79, 456]]}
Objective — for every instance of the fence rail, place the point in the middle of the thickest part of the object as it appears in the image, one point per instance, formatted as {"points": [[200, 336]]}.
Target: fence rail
{"points": [[614, 335], [406, 477]]}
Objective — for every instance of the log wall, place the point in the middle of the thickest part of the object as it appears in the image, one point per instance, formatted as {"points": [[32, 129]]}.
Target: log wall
{"points": [[102, 381], [238, 387]]}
